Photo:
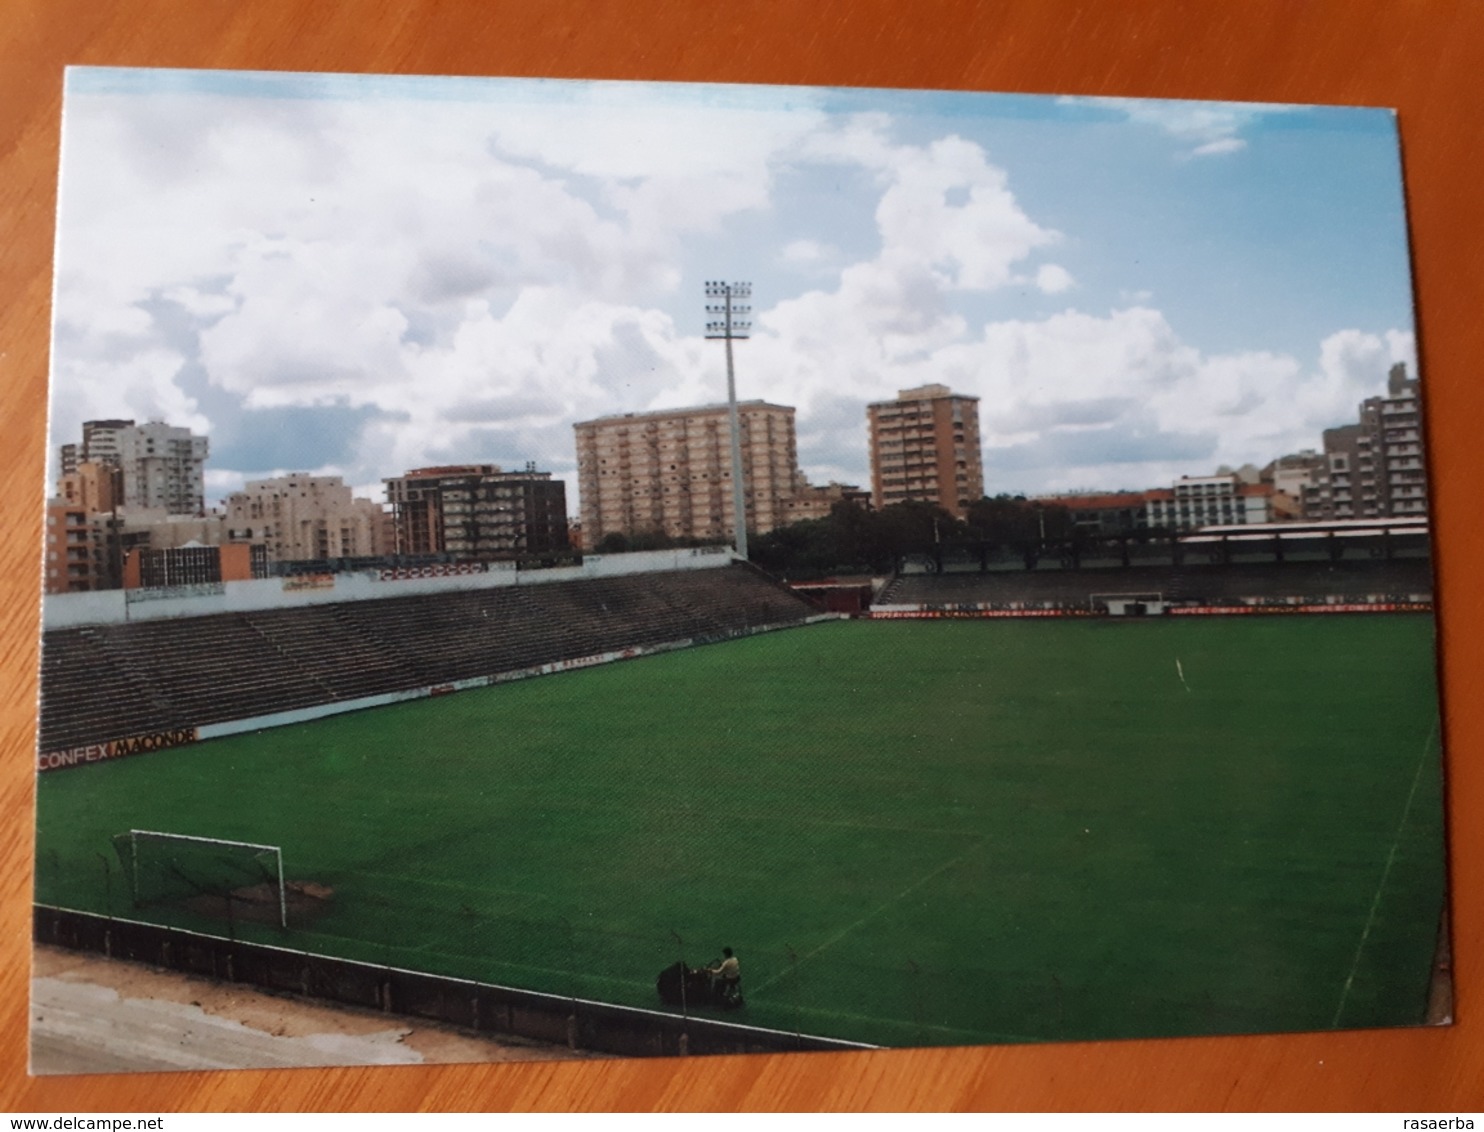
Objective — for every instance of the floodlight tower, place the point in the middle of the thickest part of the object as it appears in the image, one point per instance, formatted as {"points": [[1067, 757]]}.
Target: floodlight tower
{"points": [[729, 318]]}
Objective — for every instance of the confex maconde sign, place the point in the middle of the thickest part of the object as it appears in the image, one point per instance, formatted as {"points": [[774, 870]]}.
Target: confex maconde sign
{"points": [[116, 748]]}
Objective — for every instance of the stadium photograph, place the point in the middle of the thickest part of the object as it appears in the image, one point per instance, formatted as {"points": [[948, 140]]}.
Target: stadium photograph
{"points": [[1070, 674]]}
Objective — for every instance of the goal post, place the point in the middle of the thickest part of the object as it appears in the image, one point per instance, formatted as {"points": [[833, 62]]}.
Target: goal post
{"points": [[1127, 604], [178, 868]]}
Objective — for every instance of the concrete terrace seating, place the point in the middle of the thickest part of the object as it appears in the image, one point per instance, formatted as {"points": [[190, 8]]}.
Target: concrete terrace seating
{"points": [[1202, 583], [113, 681], [78, 671]]}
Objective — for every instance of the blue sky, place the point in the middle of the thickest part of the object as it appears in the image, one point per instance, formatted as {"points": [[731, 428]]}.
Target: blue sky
{"points": [[358, 275]]}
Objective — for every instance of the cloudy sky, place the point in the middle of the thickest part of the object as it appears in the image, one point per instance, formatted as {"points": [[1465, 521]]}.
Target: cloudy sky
{"points": [[360, 275]]}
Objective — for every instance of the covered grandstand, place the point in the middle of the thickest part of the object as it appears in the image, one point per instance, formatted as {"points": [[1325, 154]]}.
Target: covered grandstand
{"points": [[1376, 582]]}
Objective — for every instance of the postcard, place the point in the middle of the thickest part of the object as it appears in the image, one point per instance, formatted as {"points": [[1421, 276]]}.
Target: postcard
{"points": [[547, 569]]}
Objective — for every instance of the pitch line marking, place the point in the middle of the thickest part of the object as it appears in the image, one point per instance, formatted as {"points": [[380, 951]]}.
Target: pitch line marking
{"points": [[845, 931], [1385, 872]]}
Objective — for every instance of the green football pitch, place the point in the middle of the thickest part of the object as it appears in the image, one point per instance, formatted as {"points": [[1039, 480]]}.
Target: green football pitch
{"points": [[910, 832]]}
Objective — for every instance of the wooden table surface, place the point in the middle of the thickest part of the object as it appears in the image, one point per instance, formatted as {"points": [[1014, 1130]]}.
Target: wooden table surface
{"points": [[1423, 57]]}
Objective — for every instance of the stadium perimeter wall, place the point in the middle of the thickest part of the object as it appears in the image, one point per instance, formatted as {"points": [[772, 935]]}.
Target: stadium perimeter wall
{"points": [[110, 607], [922, 611], [484, 1008]]}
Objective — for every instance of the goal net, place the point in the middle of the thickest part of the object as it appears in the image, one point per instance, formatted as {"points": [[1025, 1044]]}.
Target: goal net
{"points": [[209, 873], [1127, 604]]}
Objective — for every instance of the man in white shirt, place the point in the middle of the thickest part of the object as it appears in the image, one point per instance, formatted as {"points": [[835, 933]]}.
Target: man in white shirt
{"points": [[726, 977]]}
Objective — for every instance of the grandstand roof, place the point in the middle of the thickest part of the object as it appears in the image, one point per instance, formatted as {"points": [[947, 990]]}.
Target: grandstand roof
{"points": [[1345, 528]]}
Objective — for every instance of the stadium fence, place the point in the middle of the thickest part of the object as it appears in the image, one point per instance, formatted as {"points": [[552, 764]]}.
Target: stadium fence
{"points": [[484, 1008]]}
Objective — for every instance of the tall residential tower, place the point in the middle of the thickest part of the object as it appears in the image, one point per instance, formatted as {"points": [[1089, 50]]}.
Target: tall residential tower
{"points": [[1375, 468], [162, 465], [925, 446], [671, 472]]}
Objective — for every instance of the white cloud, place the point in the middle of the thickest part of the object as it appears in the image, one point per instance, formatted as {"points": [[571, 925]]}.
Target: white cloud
{"points": [[476, 279], [947, 222], [1208, 128], [1120, 400], [808, 253], [1053, 279], [472, 272], [1353, 365], [970, 242], [1220, 145], [1402, 346], [379, 254], [139, 383]]}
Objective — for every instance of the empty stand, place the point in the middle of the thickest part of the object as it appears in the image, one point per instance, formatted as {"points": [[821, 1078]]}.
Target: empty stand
{"points": [[112, 681]]}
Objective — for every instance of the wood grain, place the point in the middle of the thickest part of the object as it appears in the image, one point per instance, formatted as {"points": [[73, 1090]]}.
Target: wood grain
{"points": [[1424, 57]]}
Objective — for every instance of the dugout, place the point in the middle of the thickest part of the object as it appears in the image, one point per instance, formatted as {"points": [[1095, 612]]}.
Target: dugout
{"points": [[850, 597]]}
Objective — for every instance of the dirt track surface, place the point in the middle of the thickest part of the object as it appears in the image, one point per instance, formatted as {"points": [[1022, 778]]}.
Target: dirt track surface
{"points": [[96, 1015]]}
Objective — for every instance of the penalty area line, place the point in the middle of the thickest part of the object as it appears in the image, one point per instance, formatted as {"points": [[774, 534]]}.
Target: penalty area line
{"points": [[1370, 920], [882, 907]]}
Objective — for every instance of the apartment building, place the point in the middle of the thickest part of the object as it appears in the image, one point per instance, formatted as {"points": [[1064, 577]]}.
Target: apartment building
{"points": [[302, 517], [99, 445], [479, 512], [1375, 468], [77, 549], [671, 471], [161, 466], [1202, 501], [925, 446]]}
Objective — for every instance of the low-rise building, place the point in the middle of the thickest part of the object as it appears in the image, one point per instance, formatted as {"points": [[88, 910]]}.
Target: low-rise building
{"points": [[1202, 501], [811, 502], [93, 486], [1109, 513], [1295, 475], [193, 565], [157, 529]]}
